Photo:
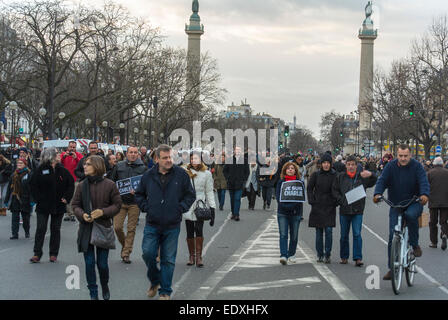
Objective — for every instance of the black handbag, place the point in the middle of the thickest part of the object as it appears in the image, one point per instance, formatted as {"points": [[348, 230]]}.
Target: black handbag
{"points": [[102, 237], [202, 213]]}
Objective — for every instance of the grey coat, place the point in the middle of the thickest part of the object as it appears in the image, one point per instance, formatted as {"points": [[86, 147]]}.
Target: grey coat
{"points": [[438, 181]]}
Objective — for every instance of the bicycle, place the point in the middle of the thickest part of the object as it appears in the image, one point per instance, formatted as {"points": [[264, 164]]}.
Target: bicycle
{"points": [[401, 254]]}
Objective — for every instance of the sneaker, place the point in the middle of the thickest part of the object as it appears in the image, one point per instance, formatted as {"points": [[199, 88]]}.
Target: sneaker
{"points": [[221, 208], [443, 243], [14, 238], [67, 218], [320, 259], [359, 263], [388, 276], [327, 260], [292, 259], [237, 218], [152, 291], [283, 261], [232, 217], [344, 261], [53, 259], [27, 235], [433, 245], [417, 251], [35, 259], [164, 297]]}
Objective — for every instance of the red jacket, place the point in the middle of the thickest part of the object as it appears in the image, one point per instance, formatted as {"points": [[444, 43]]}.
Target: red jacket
{"points": [[69, 163]]}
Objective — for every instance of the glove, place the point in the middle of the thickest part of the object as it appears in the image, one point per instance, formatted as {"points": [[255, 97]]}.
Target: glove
{"points": [[87, 218], [376, 198], [212, 220], [95, 214], [424, 199]]}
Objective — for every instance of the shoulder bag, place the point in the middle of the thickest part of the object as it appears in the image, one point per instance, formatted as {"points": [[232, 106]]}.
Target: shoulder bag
{"points": [[202, 211]]}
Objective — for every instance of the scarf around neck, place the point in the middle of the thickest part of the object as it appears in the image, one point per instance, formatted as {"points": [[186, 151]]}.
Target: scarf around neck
{"points": [[290, 178], [86, 198]]}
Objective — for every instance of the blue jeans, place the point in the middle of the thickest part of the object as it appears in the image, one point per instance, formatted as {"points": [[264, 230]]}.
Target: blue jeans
{"points": [[355, 220], [320, 241], [292, 223], [221, 197], [167, 241], [235, 201], [411, 216], [103, 268]]}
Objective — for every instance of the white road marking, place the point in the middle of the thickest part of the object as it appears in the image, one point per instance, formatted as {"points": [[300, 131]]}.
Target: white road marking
{"points": [[270, 284], [186, 274], [341, 289], [419, 269], [215, 279]]}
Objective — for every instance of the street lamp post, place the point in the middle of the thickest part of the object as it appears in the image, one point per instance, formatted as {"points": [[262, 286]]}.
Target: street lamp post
{"points": [[121, 126], [135, 136], [61, 116], [88, 122], [105, 124], [13, 106]]}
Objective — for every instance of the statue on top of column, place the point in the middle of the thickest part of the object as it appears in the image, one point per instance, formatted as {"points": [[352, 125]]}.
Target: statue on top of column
{"points": [[195, 6]]}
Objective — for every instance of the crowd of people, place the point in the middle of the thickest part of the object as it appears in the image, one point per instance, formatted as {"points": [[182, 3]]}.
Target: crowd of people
{"points": [[83, 187]]}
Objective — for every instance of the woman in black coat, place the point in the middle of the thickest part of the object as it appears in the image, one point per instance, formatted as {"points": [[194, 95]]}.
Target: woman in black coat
{"points": [[52, 187], [18, 196], [323, 207]]}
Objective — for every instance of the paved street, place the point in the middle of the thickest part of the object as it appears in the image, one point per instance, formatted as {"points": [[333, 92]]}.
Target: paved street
{"points": [[241, 262]]}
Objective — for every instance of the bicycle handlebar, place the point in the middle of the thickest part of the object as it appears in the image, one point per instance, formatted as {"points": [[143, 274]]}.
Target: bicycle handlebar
{"points": [[414, 199]]}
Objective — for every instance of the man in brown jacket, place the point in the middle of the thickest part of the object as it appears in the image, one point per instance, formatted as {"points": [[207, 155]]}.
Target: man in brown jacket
{"points": [[438, 203]]}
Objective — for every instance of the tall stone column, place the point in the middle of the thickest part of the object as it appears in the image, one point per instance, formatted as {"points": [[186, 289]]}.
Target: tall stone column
{"points": [[194, 30], [367, 34]]}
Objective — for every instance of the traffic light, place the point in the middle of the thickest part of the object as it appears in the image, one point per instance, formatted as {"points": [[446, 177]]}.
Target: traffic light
{"points": [[21, 130], [411, 110], [286, 131], [363, 149], [341, 134], [280, 146]]}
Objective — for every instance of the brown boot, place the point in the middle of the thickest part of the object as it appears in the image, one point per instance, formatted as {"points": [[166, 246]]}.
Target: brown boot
{"points": [[190, 243], [388, 276], [199, 243]]}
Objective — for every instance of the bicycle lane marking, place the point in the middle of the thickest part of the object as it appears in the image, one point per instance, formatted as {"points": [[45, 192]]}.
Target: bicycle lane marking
{"points": [[419, 269]]}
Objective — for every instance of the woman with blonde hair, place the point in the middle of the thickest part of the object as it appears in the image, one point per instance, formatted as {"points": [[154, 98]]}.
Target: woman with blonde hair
{"points": [[202, 182], [288, 215]]}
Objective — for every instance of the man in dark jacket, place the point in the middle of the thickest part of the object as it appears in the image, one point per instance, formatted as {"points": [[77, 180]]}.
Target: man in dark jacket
{"points": [[404, 178], [165, 193], [351, 213], [438, 203], [131, 167], [93, 150], [236, 175]]}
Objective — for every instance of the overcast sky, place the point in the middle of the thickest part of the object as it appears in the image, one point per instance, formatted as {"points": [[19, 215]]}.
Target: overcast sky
{"points": [[291, 57]]}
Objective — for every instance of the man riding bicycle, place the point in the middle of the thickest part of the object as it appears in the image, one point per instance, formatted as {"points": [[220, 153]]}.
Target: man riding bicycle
{"points": [[404, 178]]}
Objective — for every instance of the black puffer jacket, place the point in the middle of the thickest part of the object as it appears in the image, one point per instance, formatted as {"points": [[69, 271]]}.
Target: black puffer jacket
{"points": [[343, 184], [323, 204], [49, 186]]}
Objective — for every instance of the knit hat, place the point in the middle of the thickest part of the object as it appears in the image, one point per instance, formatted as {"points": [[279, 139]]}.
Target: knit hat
{"points": [[326, 157], [24, 149], [24, 161]]}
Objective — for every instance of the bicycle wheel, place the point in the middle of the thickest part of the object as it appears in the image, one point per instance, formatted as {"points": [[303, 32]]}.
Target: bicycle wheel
{"points": [[411, 269], [396, 267]]}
